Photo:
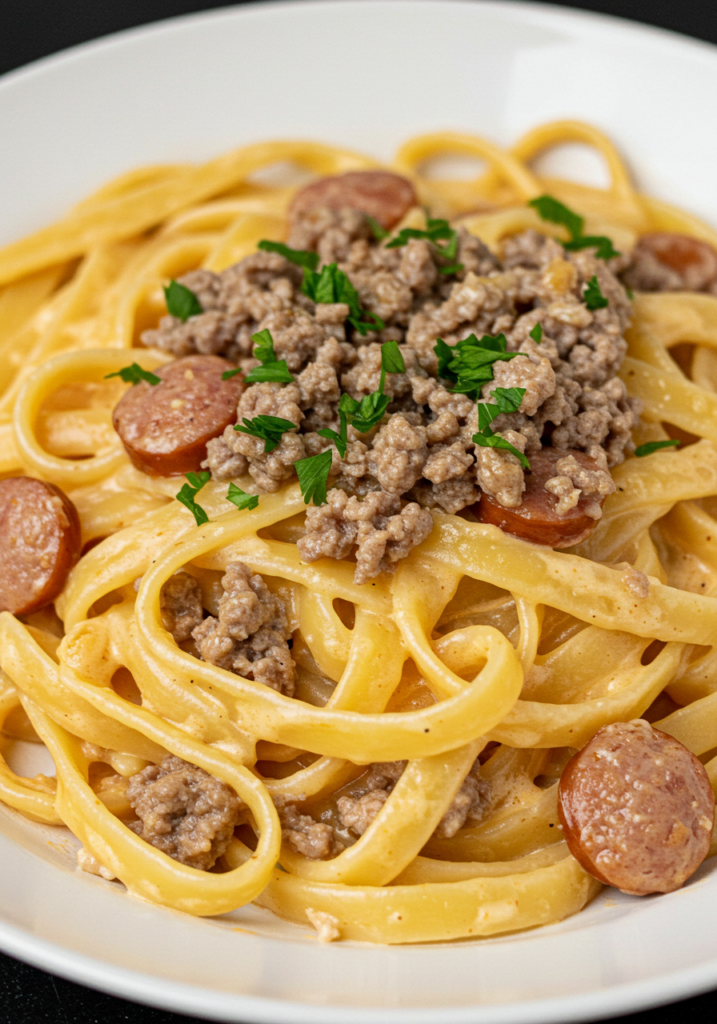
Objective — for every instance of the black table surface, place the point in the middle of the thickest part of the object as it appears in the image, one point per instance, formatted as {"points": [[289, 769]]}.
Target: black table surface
{"points": [[30, 29]]}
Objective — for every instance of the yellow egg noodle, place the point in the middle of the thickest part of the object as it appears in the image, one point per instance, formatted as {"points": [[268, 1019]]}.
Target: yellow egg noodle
{"points": [[477, 637]]}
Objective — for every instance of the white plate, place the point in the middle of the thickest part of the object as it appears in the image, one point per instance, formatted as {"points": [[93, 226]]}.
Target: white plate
{"points": [[366, 75]]}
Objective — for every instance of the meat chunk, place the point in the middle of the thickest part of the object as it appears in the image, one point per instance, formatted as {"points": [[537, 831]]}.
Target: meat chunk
{"points": [[314, 840], [637, 808], [398, 455], [40, 541], [180, 603], [184, 811], [165, 427], [550, 511], [663, 261], [383, 195], [383, 531], [356, 812], [251, 634]]}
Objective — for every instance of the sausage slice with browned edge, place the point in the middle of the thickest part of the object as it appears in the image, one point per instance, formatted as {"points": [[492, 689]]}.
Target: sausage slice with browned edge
{"points": [[693, 259], [385, 196], [636, 808], [165, 427], [40, 541], [535, 519]]}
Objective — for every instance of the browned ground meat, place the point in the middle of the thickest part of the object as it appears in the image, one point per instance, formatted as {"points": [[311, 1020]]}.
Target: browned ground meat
{"points": [[666, 262], [251, 634], [422, 453], [358, 811], [181, 605], [313, 839], [184, 811]]}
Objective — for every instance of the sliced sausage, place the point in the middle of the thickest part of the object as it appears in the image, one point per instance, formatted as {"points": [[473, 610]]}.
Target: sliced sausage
{"points": [[165, 427], [535, 519], [382, 195], [40, 541], [636, 808], [694, 260]]}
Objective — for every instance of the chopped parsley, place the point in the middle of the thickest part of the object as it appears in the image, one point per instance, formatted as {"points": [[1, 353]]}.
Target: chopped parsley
{"points": [[655, 446], [181, 301], [469, 363], [241, 499], [436, 230], [300, 257], [537, 333], [272, 370], [594, 298], [340, 439], [313, 476], [363, 415], [506, 400], [378, 232], [189, 492], [551, 209], [269, 429], [332, 285], [133, 374]]}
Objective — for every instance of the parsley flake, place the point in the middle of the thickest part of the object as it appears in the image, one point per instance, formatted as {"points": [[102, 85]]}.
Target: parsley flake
{"points": [[313, 476], [469, 363], [537, 333], [496, 441], [189, 492], [551, 209], [378, 232], [181, 301], [299, 257], [332, 285], [340, 439], [364, 415], [241, 499], [134, 374], [594, 298], [268, 429], [272, 370], [655, 446], [436, 230]]}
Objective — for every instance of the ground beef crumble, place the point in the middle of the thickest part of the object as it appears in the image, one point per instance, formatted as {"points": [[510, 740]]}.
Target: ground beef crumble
{"points": [[184, 811], [251, 633], [421, 456]]}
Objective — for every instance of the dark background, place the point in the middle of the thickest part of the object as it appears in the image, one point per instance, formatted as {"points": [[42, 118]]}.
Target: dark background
{"points": [[30, 29]]}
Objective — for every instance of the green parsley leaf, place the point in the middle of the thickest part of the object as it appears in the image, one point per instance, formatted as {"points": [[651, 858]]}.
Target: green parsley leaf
{"points": [[496, 441], [487, 412], [269, 429], [436, 230], [340, 439], [378, 232], [605, 249], [189, 492], [134, 374], [537, 333], [332, 285], [551, 209], [313, 476], [272, 370], [391, 358], [241, 499], [445, 354], [630, 293], [508, 399], [655, 446], [594, 298], [181, 301], [301, 258], [364, 415]]}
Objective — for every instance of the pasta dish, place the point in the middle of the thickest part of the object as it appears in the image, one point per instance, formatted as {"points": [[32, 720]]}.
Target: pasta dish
{"points": [[358, 537]]}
